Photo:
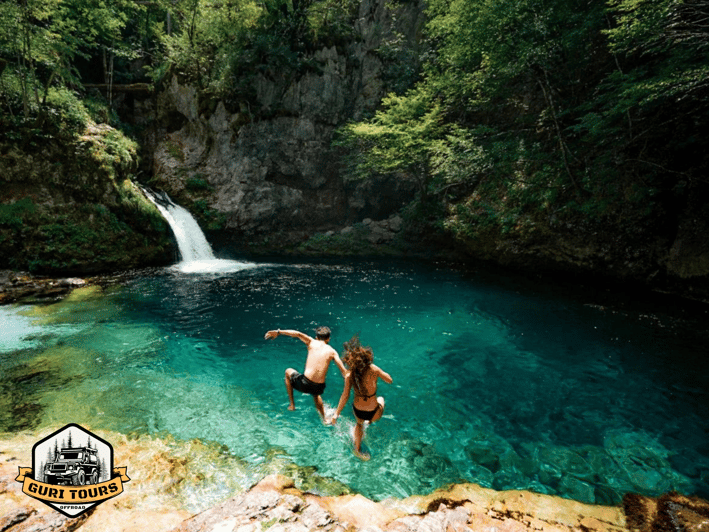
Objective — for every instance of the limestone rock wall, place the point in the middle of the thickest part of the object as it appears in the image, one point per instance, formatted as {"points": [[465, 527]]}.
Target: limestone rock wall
{"points": [[269, 167]]}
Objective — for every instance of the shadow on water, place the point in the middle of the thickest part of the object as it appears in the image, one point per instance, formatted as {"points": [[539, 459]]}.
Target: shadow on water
{"points": [[614, 382]]}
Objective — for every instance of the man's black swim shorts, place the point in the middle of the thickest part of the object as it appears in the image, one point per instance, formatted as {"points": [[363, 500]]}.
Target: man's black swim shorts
{"points": [[303, 384]]}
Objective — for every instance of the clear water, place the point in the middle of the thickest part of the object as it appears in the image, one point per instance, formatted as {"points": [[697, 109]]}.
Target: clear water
{"points": [[497, 381]]}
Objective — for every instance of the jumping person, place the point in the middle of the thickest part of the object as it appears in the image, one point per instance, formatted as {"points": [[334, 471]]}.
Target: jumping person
{"points": [[362, 376], [312, 380]]}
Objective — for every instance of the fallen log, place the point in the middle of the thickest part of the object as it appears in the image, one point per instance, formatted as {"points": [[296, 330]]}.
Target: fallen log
{"points": [[131, 87]]}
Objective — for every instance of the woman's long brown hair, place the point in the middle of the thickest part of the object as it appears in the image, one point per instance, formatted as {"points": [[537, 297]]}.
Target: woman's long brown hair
{"points": [[358, 359]]}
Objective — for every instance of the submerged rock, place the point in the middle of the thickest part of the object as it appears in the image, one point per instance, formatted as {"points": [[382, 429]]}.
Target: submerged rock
{"points": [[671, 512]]}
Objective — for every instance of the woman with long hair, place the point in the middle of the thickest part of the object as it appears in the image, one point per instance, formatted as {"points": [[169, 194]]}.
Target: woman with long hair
{"points": [[362, 377]]}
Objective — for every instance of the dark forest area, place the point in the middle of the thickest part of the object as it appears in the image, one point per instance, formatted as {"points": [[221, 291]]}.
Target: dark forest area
{"points": [[523, 122]]}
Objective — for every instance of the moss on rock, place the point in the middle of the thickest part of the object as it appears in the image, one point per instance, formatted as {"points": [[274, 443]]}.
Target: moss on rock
{"points": [[74, 207]]}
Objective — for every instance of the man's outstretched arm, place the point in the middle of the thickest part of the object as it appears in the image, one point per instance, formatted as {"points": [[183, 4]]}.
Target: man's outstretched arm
{"points": [[289, 332]]}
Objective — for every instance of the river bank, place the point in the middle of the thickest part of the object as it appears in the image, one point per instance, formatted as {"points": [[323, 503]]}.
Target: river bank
{"points": [[15, 286]]}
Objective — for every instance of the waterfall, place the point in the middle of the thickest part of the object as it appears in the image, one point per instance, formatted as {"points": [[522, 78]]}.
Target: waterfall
{"points": [[191, 241], [196, 253]]}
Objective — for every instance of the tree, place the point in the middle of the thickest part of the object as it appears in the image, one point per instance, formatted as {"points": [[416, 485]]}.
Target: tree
{"points": [[663, 59], [27, 41], [548, 109], [647, 111], [206, 36], [40, 42], [399, 138]]}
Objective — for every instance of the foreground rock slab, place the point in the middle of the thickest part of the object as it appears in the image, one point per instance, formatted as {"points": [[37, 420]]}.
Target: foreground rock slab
{"points": [[275, 504]]}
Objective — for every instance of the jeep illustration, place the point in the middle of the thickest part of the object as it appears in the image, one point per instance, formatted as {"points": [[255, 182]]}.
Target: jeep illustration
{"points": [[74, 465]]}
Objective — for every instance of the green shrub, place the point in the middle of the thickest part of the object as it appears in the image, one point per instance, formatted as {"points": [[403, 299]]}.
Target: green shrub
{"points": [[66, 112], [100, 112], [198, 184], [214, 220], [175, 152], [11, 215]]}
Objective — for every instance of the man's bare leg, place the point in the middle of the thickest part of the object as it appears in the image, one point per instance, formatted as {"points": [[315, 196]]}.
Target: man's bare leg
{"points": [[319, 406], [289, 388]]}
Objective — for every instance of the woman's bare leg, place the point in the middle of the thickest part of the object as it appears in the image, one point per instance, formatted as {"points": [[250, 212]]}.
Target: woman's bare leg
{"points": [[380, 411], [358, 434]]}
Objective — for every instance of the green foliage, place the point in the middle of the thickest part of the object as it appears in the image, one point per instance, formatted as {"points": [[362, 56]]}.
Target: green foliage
{"points": [[203, 33], [61, 114], [42, 39], [197, 183], [399, 138], [330, 21], [175, 151], [114, 153], [462, 157], [66, 112], [401, 64], [535, 110], [662, 48], [523, 111], [68, 240], [223, 46], [100, 111], [63, 238], [45, 45], [482, 47], [12, 214], [213, 220], [639, 25]]}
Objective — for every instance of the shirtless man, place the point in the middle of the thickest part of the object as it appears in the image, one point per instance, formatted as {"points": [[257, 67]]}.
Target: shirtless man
{"points": [[312, 380]]}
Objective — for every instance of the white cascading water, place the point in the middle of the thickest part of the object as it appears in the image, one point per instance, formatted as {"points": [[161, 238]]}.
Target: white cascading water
{"points": [[191, 241], [196, 253]]}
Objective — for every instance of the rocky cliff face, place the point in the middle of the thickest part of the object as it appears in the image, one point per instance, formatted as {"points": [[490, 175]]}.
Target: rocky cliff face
{"points": [[266, 176], [268, 167]]}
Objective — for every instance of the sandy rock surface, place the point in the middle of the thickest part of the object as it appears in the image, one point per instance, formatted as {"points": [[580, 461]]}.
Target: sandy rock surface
{"points": [[152, 502]]}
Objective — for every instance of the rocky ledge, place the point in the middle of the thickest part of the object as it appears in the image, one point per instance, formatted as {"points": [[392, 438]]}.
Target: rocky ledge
{"points": [[275, 504], [15, 286]]}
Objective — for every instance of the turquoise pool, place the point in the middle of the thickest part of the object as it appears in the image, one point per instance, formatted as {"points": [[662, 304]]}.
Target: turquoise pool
{"points": [[501, 381]]}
